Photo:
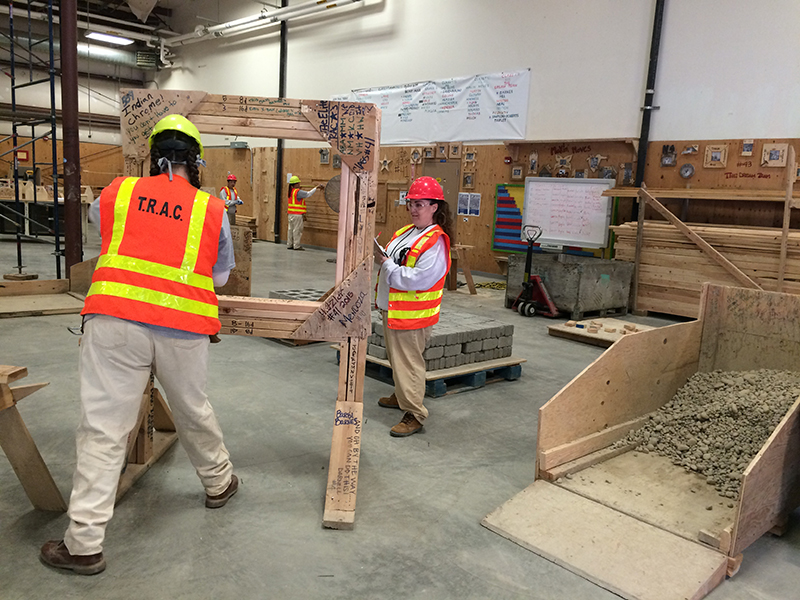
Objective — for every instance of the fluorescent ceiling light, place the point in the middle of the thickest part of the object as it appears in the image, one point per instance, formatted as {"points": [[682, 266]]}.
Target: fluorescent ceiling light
{"points": [[107, 37]]}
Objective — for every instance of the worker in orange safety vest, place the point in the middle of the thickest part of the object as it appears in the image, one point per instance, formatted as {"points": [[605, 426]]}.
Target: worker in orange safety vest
{"points": [[297, 212], [231, 197], [151, 308], [409, 292]]}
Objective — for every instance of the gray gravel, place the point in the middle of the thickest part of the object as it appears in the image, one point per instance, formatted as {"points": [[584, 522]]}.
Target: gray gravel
{"points": [[717, 423]]}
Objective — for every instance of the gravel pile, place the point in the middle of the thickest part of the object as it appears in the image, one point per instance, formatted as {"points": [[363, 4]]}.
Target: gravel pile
{"points": [[717, 423]]}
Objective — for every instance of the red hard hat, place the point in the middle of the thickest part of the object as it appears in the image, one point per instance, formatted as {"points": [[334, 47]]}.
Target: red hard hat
{"points": [[231, 177], [425, 188]]}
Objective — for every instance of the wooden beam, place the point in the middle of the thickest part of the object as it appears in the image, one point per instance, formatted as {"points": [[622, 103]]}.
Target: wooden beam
{"points": [[699, 241], [791, 173], [22, 453]]}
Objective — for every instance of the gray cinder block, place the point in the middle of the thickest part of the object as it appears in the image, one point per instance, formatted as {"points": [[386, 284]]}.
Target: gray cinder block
{"points": [[376, 351], [452, 350], [434, 352]]}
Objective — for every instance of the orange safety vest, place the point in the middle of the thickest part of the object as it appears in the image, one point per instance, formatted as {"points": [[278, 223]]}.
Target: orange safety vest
{"points": [[225, 193], [159, 245], [417, 309], [297, 206]]}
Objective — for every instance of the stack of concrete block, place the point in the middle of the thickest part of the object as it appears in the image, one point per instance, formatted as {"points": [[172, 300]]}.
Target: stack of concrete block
{"points": [[457, 339], [308, 295]]}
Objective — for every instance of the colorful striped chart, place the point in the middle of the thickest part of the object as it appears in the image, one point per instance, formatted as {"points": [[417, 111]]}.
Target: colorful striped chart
{"points": [[510, 200]]}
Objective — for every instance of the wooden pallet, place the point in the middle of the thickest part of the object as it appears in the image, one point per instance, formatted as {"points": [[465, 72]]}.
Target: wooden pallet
{"points": [[455, 380], [602, 337]]}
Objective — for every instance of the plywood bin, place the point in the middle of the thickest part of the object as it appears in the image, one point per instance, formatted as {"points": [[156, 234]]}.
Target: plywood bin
{"points": [[635, 523]]}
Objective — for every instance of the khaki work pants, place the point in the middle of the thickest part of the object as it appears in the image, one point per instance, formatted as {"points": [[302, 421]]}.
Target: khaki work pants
{"points": [[116, 358], [294, 231], [404, 348]]}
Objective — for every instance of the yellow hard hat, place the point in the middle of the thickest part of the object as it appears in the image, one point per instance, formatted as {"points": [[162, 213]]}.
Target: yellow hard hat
{"points": [[294, 179], [177, 123]]}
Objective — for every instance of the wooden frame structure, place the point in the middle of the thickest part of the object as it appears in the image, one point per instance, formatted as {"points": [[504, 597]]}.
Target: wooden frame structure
{"points": [[738, 329], [343, 315]]}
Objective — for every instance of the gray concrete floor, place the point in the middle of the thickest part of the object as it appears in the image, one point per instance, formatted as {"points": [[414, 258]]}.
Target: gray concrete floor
{"points": [[420, 499]]}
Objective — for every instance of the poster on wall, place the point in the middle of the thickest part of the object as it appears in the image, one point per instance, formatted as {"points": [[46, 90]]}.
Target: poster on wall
{"points": [[463, 203], [492, 106], [475, 205]]}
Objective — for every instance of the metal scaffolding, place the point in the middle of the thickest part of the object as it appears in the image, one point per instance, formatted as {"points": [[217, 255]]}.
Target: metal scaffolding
{"points": [[22, 55]]}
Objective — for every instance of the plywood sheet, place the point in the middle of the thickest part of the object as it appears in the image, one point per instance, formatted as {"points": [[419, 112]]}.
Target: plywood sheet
{"points": [[38, 305], [618, 552], [602, 337], [652, 489]]}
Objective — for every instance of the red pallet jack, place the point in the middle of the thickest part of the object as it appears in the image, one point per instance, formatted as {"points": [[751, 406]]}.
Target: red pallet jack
{"points": [[533, 299]]}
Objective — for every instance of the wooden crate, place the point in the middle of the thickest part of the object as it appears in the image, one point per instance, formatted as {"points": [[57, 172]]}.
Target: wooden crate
{"points": [[642, 497]]}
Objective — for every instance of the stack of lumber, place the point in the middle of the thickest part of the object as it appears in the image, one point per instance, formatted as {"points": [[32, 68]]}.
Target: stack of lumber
{"points": [[673, 269], [260, 317], [246, 221]]}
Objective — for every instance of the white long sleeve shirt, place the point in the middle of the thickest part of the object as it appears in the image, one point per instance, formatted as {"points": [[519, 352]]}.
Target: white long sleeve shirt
{"points": [[430, 267]]}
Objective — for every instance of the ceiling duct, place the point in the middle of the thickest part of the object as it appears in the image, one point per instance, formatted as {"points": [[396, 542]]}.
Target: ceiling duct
{"points": [[136, 60]]}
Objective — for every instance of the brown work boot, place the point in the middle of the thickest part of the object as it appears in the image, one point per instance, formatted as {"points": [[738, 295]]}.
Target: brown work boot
{"points": [[55, 554], [407, 426], [222, 499], [390, 402]]}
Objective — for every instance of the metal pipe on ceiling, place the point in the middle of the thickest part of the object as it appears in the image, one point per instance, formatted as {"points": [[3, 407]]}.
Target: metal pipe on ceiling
{"points": [[255, 22], [150, 39]]}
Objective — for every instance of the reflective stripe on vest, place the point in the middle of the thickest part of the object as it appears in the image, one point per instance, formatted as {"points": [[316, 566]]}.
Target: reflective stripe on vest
{"points": [[176, 297], [297, 206], [417, 309]]}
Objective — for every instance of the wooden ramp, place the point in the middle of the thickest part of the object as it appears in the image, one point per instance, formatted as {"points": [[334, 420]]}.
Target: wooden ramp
{"points": [[615, 551]]}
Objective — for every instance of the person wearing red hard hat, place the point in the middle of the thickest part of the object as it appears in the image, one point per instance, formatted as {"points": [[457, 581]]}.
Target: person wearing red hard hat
{"points": [[409, 294], [231, 198], [151, 307]]}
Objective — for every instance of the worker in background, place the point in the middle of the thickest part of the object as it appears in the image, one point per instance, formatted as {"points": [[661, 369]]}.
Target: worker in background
{"points": [[231, 198], [409, 294], [151, 307], [297, 212]]}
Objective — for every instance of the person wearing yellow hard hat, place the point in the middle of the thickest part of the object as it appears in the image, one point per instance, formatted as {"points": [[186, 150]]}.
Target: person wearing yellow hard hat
{"points": [[297, 212], [151, 308]]}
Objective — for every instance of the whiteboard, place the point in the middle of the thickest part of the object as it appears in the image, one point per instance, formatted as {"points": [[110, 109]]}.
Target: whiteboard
{"points": [[571, 212], [492, 106]]}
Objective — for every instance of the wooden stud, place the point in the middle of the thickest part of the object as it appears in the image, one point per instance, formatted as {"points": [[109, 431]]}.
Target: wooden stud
{"points": [[787, 213]]}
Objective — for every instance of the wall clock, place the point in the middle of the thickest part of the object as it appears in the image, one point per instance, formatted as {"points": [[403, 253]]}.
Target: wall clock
{"points": [[687, 171]]}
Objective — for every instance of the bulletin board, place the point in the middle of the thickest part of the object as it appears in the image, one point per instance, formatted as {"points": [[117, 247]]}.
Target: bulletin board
{"points": [[571, 212]]}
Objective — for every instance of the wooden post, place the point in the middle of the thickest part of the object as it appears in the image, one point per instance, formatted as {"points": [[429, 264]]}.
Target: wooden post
{"points": [[638, 257], [791, 173]]}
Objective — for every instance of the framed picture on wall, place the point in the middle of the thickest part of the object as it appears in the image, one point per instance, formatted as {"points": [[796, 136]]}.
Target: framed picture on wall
{"points": [[468, 181], [774, 155], [337, 161], [747, 147], [716, 156], [517, 172], [428, 152], [324, 156], [455, 150], [441, 150]]}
